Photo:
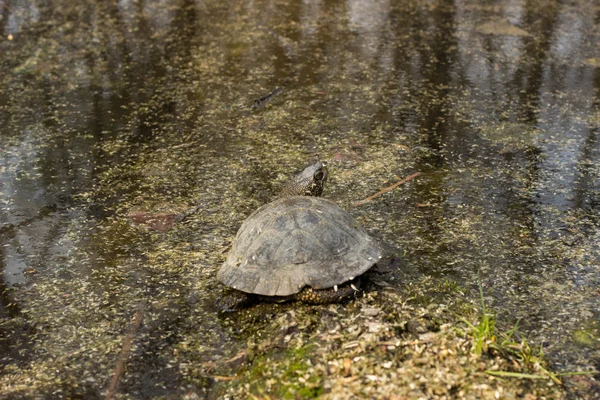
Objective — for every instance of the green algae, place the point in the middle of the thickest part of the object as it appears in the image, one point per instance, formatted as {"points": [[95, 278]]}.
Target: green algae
{"points": [[296, 379], [588, 336]]}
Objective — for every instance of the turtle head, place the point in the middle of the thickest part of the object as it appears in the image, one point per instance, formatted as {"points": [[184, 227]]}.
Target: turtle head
{"points": [[309, 182]]}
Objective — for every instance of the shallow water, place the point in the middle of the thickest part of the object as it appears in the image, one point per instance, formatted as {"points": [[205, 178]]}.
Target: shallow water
{"points": [[147, 107]]}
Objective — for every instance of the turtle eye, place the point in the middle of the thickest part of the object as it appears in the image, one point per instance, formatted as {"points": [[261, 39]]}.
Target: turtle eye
{"points": [[318, 176]]}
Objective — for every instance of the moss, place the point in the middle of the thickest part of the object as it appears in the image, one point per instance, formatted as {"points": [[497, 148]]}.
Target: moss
{"points": [[589, 335], [584, 338], [296, 378]]}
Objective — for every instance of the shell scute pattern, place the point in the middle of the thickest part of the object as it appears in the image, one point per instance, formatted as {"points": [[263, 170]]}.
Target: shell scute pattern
{"points": [[295, 242]]}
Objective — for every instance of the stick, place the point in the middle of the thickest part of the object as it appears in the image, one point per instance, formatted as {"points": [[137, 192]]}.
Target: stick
{"points": [[387, 189], [220, 377], [136, 323]]}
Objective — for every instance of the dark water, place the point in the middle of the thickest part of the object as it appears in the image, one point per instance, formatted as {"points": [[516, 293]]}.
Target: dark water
{"points": [[109, 107]]}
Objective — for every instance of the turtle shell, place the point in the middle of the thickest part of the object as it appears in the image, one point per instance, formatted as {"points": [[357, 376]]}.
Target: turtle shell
{"points": [[295, 242]]}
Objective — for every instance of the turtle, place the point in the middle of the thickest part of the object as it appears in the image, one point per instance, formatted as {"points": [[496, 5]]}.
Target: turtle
{"points": [[300, 247]]}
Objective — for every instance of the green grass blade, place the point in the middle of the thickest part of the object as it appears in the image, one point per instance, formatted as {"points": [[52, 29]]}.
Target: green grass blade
{"points": [[514, 374], [576, 373]]}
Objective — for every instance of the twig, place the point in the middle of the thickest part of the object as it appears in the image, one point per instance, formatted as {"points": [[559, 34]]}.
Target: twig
{"points": [[238, 356], [184, 144], [220, 377], [136, 323], [387, 189]]}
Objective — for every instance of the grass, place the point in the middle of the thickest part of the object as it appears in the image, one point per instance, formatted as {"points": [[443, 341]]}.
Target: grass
{"points": [[484, 332], [487, 339]]}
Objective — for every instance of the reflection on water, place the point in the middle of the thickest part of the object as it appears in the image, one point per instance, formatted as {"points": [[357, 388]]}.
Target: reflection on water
{"points": [[109, 106]]}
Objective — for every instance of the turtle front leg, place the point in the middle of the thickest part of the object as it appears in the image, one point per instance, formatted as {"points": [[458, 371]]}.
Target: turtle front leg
{"points": [[234, 300], [325, 296]]}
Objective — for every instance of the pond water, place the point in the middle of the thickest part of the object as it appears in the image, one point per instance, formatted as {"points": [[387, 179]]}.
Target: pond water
{"points": [[116, 113]]}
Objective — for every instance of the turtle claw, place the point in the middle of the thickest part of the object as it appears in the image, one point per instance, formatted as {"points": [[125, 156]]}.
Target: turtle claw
{"points": [[325, 296]]}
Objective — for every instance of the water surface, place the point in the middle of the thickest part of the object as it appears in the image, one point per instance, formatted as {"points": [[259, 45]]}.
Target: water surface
{"points": [[114, 108]]}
